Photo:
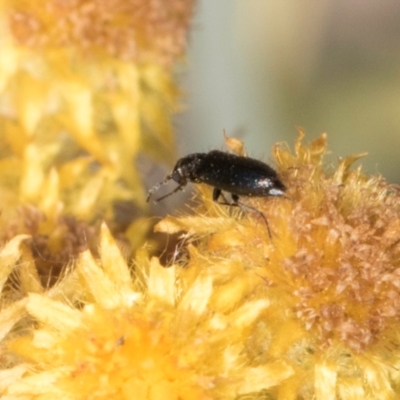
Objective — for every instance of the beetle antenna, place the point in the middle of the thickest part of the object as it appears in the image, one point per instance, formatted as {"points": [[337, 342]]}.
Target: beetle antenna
{"points": [[169, 194], [156, 187]]}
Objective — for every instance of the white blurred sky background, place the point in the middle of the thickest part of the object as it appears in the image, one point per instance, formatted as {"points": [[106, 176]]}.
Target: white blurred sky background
{"points": [[259, 68]]}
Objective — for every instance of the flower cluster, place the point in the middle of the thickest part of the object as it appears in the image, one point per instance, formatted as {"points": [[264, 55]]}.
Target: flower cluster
{"points": [[310, 312], [293, 297]]}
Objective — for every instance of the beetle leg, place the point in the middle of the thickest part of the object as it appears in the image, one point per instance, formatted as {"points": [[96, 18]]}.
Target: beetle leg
{"points": [[236, 203], [245, 206], [217, 194]]}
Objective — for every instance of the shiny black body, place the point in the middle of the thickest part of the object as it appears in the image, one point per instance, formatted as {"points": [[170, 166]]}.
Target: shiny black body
{"points": [[237, 175]]}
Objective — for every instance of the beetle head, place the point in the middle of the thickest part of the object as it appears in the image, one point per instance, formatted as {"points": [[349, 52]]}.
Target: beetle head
{"points": [[184, 171], [185, 168]]}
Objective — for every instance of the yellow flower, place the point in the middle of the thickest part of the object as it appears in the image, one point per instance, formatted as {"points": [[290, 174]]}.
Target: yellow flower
{"points": [[85, 88], [311, 313], [330, 275], [160, 335]]}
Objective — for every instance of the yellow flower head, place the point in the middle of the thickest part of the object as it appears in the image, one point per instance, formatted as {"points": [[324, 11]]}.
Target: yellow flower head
{"points": [[85, 87], [329, 272], [157, 336]]}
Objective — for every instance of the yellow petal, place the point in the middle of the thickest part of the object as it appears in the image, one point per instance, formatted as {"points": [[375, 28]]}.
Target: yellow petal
{"points": [[101, 287], [34, 386], [28, 274], [264, 377], [325, 380], [248, 313], [79, 99], [9, 255], [197, 296], [53, 313], [11, 375], [32, 99], [199, 225], [9, 60], [114, 265], [33, 174], [50, 202], [10, 316], [162, 282]]}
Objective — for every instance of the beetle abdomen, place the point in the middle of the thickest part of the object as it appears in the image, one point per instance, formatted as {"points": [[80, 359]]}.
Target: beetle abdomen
{"points": [[238, 175]]}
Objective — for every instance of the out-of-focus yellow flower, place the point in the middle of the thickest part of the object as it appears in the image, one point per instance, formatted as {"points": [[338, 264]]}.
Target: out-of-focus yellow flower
{"points": [[139, 30], [330, 275], [85, 88]]}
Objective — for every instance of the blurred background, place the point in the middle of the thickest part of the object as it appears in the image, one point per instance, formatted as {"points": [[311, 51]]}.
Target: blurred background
{"points": [[259, 68]]}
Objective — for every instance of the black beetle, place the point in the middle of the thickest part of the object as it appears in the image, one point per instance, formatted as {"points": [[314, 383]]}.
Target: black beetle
{"points": [[237, 175]]}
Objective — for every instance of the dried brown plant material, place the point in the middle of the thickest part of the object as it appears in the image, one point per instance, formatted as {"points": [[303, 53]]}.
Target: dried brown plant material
{"points": [[54, 245]]}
